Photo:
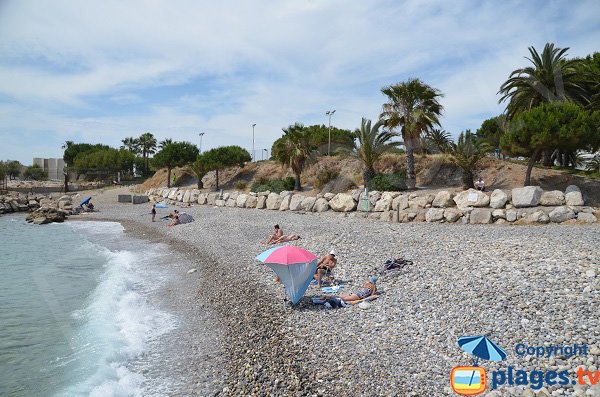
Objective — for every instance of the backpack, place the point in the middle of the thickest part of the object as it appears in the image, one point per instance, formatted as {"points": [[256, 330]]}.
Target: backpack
{"points": [[395, 264]]}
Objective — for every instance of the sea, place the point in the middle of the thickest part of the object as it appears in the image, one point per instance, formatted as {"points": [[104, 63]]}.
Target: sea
{"points": [[77, 311]]}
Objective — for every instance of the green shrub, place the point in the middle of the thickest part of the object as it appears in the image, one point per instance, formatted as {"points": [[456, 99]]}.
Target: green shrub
{"points": [[324, 177], [36, 173], [273, 185], [388, 182], [240, 185]]}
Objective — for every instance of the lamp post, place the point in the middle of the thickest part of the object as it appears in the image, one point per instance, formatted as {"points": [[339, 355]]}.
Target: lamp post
{"points": [[263, 153], [329, 113], [253, 125], [201, 135]]}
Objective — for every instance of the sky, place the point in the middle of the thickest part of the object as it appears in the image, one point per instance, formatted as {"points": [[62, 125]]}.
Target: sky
{"points": [[100, 71]]}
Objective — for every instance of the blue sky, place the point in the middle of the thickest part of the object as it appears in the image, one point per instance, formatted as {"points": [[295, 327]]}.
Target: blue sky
{"points": [[100, 71]]}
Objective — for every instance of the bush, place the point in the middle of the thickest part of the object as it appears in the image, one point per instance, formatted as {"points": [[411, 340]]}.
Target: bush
{"points": [[273, 185], [36, 173], [388, 182], [240, 185], [325, 176]]}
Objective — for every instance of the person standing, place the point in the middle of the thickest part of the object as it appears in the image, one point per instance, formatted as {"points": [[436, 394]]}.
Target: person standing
{"points": [[153, 212]]}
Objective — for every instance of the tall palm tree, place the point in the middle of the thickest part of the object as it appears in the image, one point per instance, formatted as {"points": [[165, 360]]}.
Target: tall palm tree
{"points": [[370, 144], [294, 150], [439, 139], [132, 144], [164, 142], [551, 78], [147, 145], [414, 107], [466, 153]]}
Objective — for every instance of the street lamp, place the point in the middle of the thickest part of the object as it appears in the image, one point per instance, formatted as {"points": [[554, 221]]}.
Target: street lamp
{"points": [[253, 125], [201, 135], [263, 152], [329, 113]]}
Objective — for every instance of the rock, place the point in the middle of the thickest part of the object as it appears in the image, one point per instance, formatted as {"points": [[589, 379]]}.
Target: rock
{"points": [[586, 218], [186, 196], [471, 198], [191, 271], [296, 202], [251, 201], [308, 203], [561, 214], [511, 215], [590, 273], [241, 199], [230, 202], [452, 214], [211, 199], [443, 199], [573, 196], [194, 194], [261, 202], [498, 199], [538, 216], [342, 202], [480, 216], [387, 216], [285, 193], [528, 196], [434, 215], [420, 202], [41, 220], [172, 195], [499, 214], [285, 202], [400, 202], [321, 205], [384, 203], [553, 198], [328, 196], [274, 201], [220, 203], [202, 198]]}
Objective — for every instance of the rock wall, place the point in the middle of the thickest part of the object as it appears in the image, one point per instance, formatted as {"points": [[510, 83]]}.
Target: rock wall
{"points": [[42, 209], [526, 205]]}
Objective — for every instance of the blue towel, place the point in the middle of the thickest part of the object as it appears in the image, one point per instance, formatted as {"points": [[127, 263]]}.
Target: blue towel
{"points": [[332, 290]]}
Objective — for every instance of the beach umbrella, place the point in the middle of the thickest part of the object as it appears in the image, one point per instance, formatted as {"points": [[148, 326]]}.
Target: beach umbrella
{"points": [[85, 200], [185, 218], [295, 267], [481, 347]]}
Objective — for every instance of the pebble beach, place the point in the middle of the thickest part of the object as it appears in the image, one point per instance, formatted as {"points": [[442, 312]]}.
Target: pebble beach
{"points": [[537, 285]]}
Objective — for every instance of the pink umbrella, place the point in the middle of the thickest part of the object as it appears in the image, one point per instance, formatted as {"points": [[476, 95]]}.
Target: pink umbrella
{"points": [[295, 267]]}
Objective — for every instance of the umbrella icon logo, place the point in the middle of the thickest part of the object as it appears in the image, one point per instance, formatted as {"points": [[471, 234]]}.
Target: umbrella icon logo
{"points": [[471, 380]]}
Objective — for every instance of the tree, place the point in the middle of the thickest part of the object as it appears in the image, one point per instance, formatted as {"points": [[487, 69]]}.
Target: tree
{"points": [[563, 124], [224, 156], [164, 142], [36, 173], [105, 161], [294, 150], [13, 169], [491, 130], [147, 144], [75, 149], [199, 169], [551, 78], [414, 107], [67, 144], [132, 144], [371, 145], [466, 154], [438, 140], [176, 154], [3, 172]]}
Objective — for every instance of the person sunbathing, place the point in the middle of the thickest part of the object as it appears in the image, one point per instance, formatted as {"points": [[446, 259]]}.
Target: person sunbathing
{"points": [[324, 266], [366, 290], [277, 234], [175, 221], [286, 239]]}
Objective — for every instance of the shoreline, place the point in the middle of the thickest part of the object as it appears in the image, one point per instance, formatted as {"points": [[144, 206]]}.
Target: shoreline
{"points": [[467, 279]]}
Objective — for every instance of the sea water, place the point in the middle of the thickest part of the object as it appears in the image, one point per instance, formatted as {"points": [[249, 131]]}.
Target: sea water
{"points": [[75, 308]]}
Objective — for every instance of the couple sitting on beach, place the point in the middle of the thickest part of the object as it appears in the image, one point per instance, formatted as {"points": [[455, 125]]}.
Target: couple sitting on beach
{"points": [[277, 237]]}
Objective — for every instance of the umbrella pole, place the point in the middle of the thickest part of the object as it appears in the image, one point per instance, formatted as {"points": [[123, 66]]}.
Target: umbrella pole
{"points": [[473, 374]]}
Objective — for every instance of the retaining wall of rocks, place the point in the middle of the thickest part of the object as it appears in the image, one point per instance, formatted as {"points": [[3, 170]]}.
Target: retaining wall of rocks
{"points": [[524, 205], [42, 209]]}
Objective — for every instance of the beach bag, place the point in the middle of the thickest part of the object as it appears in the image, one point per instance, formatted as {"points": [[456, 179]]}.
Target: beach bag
{"points": [[395, 264]]}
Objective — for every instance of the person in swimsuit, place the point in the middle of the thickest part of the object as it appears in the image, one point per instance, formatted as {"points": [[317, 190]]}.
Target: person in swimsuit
{"points": [[153, 212], [326, 263], [276, 235], [285, 239], [366, 290]]}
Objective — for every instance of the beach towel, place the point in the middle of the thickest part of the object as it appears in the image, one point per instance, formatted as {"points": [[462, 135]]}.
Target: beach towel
{"points": [[332, 289]]}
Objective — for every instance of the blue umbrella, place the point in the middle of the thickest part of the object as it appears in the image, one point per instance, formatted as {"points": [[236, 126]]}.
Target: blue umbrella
{"points": [[85, 200], [481, 347]]}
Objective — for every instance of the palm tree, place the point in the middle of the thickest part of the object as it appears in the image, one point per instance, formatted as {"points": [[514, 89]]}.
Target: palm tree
{"points": [[294, 150], [199, 168], [413, 106], [371, 145], [132, 144], [551, 78], [147, 144], [164, 142], [439, 139], [467, 153]]}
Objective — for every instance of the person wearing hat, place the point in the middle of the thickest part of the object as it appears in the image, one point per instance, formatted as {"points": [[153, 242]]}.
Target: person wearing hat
{"points": [[367, 289], [325, 265]]}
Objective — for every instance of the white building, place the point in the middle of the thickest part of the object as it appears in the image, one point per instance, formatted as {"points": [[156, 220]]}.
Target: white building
{"points": [[54, 167]]}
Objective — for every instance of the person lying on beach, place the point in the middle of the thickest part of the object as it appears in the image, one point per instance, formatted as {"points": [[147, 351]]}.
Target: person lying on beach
{"points": [[175, 221], [285, 239], [366, 290], [325, 265], [277, 234]]}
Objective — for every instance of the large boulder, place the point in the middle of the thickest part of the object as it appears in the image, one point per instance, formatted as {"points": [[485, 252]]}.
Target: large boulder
{"points": [[538, 216], [586, 217], [261, 202], [251, 201], [573, 196], [202, 198], [553, 198], [211, 199], [321, 205], [308, 203], [561, 214], [186, 196], [498, 199], [296, 202], [452, 214], [342, 202], [400, 202], [528, 196], [241, 199], [434, 215], [480, 216], [273, 201], [230, 202], [194, 194], [471, 198], [172, 195], [511, 215], [285, 202], [384, 203], [443, 199]]}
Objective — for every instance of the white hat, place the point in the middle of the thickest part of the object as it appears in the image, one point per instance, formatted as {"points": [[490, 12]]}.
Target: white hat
{"points": [[332, 252]]}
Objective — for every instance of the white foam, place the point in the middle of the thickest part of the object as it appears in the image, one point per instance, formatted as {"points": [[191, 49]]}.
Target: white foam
{"points": [[118, 322]]}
